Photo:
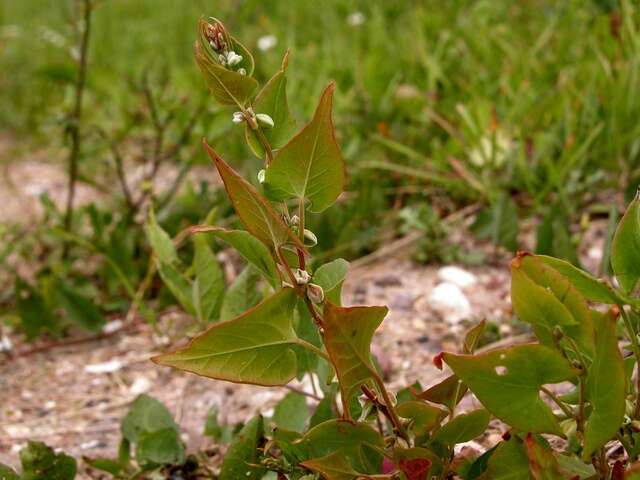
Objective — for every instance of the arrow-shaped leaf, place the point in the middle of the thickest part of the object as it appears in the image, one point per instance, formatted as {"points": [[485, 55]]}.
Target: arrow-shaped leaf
{"points": [[251, 249], [545, 298], [507, 383], [625, 249], [255, 212], [463, 428], [347, 336], [252, 348], [310, 166], [335, 466], [272, 100], [425, 417], [605, 388]]}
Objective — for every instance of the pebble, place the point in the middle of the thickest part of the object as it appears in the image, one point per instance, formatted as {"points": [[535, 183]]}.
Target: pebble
{"points": [[457, 276], [105, 367], [450, 302], [140, 385]]}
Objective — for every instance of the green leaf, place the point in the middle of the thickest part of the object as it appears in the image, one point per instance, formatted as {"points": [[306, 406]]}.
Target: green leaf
{"points": [[448, 392], [590, 287], [255, 347], [208, 286], [81, 310], [104, 464], [292, 412], [251, 249], [335, 466], [323, 412], [160, 447], [241, 295], [35, 314], [472, 337], [243, 454], [347, 336], [330, 277], [508, 462], [160, 241], [462, 428], [178, 285], [146, 415], [351, 439], [227, 86], [543, 465], [310, 166], [272, 100], [605, 387], [625, 248], [255, 212], [40, 462], [571, 466], [220, 434], [7, 473], [545, 298], [507, 383], [425, 417]]}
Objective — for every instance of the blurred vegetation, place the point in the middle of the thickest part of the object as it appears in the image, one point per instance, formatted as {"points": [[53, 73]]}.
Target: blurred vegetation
{"points": [[525, 108]]}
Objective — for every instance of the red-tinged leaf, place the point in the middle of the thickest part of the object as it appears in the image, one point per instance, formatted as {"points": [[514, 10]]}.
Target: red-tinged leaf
{"points": [[542, 463], [606, 386], [255, 212], [272, 100], [347, 336], [546, 299], [254, 348], [507, 382], [625, 248], [310, 166], [415, 468], [421, 455], [448, 392]]}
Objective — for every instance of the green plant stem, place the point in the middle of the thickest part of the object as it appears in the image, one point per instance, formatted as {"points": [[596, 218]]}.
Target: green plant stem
{"points": [[76, 118], [580, 418], [559, 402], [311, 347], [633, 337]]}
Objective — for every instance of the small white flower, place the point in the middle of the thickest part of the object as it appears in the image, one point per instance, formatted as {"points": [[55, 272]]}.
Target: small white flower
{"points": [[267, 42], [238, 117], [315, 293], [242, 71], [261, 175], [222, 59], [295, 220], [311, 238], [302, 276], [356, 19], [233, 58], [265, 120]]}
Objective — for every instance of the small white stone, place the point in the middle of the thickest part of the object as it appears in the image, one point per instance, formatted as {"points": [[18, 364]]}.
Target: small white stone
{"points": [[50, 405], [457, 276], [140, 385], [105, 367], [90, 444], [112, 326], [267, 42], [449, 301], [6, 345]]}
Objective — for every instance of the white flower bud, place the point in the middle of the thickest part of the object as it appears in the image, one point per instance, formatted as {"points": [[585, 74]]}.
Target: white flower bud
{"points": [[242, 71], [238, 117], [302, 276], [294, 220], [311, 237], [315, 293], [265, 120], [286, 285], [261, 175], [222, 59]]}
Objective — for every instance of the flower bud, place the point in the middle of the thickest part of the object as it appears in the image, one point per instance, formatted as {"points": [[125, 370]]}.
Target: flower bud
{"points": [[265, 120], [302, 276], [233, 59], [315, 293], [238, 117], [242, 71], [261, 175], [310, 238], [294, 220]]}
